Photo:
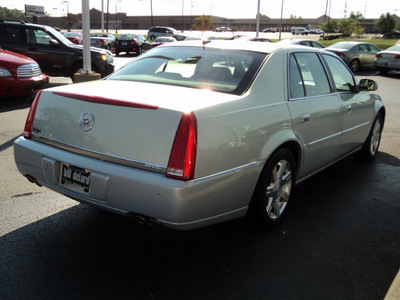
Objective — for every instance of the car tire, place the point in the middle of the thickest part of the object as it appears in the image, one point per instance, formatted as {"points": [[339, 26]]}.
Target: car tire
{"points": [[116, 53], [370, 148], [75, 69], [354, 65], [274, 189], [139, 51], [153, 37]]}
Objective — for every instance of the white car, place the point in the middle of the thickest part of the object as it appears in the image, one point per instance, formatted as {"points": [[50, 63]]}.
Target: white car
{"points": [[388, 59], [196, 133]]}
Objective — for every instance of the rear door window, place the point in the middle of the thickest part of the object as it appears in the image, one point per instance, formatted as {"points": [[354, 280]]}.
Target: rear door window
{"points": [[307, 75]]}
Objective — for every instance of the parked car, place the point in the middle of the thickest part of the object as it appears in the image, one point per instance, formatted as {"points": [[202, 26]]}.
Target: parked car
{"points": [[55, 54], [162, 40], [355, 54], [19, 74], [388, 59], [302, 42], [237, 126], [102, 40], [392, 34], [156, 31], [131, 42], [260, 39], [299, 30], [75, 37], [268, 29]]}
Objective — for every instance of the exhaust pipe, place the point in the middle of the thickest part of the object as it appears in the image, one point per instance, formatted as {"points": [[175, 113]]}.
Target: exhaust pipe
{"points": [[32, 180], [146, 221]]}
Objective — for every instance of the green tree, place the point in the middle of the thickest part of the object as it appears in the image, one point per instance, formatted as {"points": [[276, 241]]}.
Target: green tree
{"points": [[10, 13], [358, 29], [356, 16], [203, 23], [386, 23], [346, 26], [330, 26]]}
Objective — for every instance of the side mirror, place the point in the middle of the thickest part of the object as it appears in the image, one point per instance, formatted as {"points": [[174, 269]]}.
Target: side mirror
{"points": [[368, 85]]}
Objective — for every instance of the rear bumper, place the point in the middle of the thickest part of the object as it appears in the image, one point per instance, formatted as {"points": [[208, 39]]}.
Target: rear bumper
{"points": [[126, 190]]}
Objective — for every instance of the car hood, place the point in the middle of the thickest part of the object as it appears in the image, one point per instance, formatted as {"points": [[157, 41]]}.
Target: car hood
{"points": [[92, 49], [8, 58]]}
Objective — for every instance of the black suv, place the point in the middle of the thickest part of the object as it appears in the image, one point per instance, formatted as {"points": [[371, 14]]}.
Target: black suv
{"points": [[55, 54]]}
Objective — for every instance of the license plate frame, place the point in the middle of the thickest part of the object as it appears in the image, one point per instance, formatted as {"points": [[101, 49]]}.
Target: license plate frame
{"points": [[75, 178]]}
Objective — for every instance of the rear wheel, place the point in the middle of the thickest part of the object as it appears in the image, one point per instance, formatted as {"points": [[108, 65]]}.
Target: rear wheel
{"points": [[274, 189], [371, 145], [354, 65]]}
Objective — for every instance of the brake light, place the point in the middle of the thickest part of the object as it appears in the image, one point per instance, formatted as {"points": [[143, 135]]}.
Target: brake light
{"points": [[182, 161], [100, 41], [133, 43], [339, 54], [397, 57], [378, 55], [31, 116]]}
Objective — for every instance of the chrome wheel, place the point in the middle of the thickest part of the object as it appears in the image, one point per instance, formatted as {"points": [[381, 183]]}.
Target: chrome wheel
{"points": [[375, 137], [274, 189], [354, 65], [279, 189]]}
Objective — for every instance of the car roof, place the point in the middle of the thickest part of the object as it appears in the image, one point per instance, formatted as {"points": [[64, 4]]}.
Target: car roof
{"points": [[242, 45]]}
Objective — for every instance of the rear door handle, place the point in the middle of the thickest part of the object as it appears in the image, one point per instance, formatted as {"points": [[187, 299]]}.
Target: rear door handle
{"points": [[305, 118]]}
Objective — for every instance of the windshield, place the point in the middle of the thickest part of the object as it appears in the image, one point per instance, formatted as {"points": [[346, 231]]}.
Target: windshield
{"points": [[127, 36], [394, 48], [229, 71], [59, 36]]}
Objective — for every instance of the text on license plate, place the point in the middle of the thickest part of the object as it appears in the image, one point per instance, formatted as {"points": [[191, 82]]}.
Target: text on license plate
{"points": [[75, 178]]}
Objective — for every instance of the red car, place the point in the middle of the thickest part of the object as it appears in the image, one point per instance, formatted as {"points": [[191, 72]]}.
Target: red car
{"points": [[19, 74], [75, 37]]}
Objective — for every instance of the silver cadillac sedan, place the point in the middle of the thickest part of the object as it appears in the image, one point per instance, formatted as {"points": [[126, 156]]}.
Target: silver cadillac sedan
{"points": [[196, 133]]}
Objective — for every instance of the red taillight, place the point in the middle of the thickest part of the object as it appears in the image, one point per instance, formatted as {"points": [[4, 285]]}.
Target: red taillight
{"points": [[397, 57], [339, 54], [182, 161], [133, 43], [378, 55], [31, 116], [100, 41]]}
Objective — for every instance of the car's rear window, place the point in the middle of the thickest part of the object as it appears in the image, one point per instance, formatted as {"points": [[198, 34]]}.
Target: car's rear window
{"points": [[229, 71], [342, 45]]}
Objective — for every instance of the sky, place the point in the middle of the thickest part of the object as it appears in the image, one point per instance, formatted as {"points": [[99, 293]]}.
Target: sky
{"points": [[222, 8]]}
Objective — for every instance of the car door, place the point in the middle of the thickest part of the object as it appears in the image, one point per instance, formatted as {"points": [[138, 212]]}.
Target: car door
{"points": [[357, 106], [366, 55], [52, 58], [316, 111]]}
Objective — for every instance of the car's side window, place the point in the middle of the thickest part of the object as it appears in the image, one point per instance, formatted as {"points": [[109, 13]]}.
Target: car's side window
{"points": [[12, 35], [313, 75], [342, 77], [296, 82]]}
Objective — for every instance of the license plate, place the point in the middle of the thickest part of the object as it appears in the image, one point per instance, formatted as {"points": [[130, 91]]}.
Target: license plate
{"points": [[124, 43], [76, 178]]}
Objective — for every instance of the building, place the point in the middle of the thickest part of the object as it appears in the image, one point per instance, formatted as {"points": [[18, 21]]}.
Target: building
{"points": [[179, 22]]}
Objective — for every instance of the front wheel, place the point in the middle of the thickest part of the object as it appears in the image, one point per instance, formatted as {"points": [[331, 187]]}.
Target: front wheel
{"points": [[370, 148], [274, 189]]}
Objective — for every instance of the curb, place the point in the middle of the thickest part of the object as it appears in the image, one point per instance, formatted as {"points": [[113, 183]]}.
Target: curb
{"points": [[394, 290]]}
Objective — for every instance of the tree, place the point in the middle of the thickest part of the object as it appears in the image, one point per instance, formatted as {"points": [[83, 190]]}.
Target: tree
{"points": [[346, 26], [10, 13], [203, 23], [386, 23], [356, 16], [330, 26], [358, 29]]}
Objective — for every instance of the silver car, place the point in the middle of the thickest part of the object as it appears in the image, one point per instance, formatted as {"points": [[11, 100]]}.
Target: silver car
{"points": [[227, 130], [355, 54], [388, 59]]}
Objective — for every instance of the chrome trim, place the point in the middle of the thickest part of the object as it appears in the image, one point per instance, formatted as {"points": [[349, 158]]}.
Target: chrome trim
{"points": [[356, 127], [102, 156], [325, 139], [236, 170]]}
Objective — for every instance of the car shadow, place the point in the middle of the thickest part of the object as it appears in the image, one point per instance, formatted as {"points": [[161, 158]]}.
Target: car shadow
{"points": [[333, 236], [15, 102]]}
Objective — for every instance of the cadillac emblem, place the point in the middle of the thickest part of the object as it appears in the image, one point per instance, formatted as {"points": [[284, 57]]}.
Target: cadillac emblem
{"points": [[87, 122]]}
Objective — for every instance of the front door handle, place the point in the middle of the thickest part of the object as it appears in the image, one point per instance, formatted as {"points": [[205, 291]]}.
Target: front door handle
{"points": [[348, 108], [305, 118]]}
